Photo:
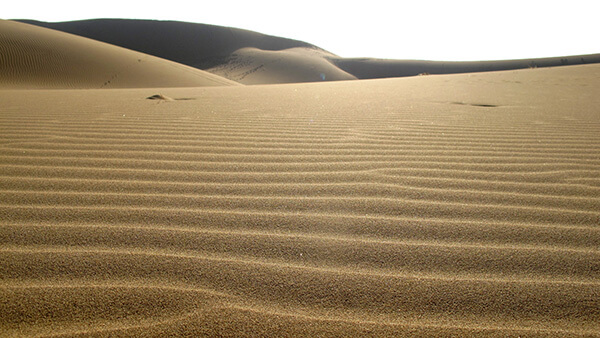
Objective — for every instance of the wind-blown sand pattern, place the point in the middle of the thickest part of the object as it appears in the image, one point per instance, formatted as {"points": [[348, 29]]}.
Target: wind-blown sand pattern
{"points": [[437, 205]]}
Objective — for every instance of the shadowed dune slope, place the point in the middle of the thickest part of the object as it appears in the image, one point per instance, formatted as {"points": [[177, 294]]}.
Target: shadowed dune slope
{"points": [[454, 205], [251, 58], [36, 57], [197, 45]]}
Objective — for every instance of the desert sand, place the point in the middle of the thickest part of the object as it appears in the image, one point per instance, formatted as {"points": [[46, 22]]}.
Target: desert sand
{"points": [[446, 205]]}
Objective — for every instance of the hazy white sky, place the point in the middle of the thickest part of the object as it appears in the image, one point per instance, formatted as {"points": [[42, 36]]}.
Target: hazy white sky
{"points": [[415, 29]]}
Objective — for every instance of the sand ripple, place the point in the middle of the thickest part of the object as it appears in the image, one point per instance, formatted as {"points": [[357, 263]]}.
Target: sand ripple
{"points": [[268, 210]]}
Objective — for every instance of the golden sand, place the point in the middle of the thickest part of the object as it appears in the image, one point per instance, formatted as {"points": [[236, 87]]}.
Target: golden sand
{"points": [[438, 206]]}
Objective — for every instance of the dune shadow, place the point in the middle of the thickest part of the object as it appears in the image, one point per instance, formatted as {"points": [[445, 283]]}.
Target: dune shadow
{"points": [[485, 105]]}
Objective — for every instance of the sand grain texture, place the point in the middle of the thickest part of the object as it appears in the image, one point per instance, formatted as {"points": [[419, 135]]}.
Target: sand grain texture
{"points": [[431, 206]]}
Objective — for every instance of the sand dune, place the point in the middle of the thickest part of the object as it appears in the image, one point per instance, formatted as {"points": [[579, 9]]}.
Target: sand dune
{"points": [[256, 66], [35, 57], [239, 55], [193, 44], [254, 58], [454, 205], [369, 68]]}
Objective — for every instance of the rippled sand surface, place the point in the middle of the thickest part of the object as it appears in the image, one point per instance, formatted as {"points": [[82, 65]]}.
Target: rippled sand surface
{"points": [[437, 205]]}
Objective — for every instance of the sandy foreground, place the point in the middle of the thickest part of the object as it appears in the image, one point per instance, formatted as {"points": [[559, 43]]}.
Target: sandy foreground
{"points": [[435, 205]]}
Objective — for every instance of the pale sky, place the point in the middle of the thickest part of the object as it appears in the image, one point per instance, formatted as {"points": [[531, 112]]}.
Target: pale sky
{"points": [[450, 30]]}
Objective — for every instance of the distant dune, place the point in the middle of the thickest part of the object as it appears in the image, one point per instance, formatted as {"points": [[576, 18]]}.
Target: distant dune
{"points": [[192, 44], [368, 68], [254, 58], [240, 55], [257, 66], [36, 57]]}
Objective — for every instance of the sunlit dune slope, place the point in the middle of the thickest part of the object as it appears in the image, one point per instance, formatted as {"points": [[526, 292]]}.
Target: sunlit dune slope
{"points": [[256, 66], [36, 57], [453, 205]]}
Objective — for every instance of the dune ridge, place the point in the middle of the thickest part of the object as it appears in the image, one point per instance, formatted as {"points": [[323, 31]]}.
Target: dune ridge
{"points": [[36, 57], [372, 68]]}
